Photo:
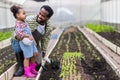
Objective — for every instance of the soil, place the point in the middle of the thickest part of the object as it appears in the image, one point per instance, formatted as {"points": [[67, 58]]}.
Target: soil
{"points": [[7, 59], [114, 37], [93, 67]]}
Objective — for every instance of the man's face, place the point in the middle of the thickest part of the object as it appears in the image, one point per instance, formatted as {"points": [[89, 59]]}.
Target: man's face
{"points": [[42, 16]]}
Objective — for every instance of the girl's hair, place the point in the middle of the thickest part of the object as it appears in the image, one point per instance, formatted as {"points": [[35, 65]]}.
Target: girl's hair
{"points": [[15, 9]]}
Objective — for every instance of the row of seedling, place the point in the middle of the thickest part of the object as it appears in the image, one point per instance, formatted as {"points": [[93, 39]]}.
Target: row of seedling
{"points": [[7, 58], [69, 38], [69, 64], [77, 41]]}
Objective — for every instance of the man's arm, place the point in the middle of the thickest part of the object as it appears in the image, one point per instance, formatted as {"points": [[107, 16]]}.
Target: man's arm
{"points": [[46, 37], [32, 22]]}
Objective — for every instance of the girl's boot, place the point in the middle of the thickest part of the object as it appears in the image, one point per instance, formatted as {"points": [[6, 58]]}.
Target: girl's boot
{"points": [[33, 68], [28, 73]]}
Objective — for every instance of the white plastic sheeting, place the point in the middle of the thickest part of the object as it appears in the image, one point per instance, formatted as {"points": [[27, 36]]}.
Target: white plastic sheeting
{"points": [[17, 1], [89, 2], [6, 17], [69, 11], [111, 11], [90, 10]]}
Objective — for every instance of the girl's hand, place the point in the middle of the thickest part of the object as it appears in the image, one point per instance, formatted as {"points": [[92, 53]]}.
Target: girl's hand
{"points": [[31, 38], [26, 35]]}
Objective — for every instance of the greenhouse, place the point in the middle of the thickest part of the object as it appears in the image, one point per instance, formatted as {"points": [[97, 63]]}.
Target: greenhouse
{"points": [[59, 40]]}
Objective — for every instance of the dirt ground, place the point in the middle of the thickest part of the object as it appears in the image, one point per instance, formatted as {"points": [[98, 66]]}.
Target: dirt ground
{"points": [[93, 67], [114, 37], [7, 59]]}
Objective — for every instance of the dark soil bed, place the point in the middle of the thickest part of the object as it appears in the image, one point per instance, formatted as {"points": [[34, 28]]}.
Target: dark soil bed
{"points": [[92, 67], [114, 37], [7, 59]]}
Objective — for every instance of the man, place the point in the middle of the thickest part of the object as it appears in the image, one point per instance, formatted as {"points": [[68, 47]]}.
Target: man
{"points": [[41, 32]]}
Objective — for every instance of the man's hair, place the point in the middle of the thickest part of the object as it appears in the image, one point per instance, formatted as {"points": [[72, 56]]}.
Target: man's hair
{"points": [[49, 9]]}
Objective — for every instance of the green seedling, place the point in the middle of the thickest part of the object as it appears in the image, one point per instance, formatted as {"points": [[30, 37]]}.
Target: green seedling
{"points": [[5, 35], [69, 63], [78, 43], [100, 27]]}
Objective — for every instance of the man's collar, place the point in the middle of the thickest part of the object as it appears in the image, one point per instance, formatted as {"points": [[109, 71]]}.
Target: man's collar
{"points": [[41, 25]]}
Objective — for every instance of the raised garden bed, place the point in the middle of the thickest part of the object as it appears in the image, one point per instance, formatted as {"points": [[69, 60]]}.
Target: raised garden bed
{"points": [[108, 32], [91, 66], [7, 59], [113, 37]]}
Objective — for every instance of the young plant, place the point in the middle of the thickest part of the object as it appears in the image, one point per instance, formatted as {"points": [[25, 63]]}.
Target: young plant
{"points": [[100, 27], [5, 35], [78, 43], [69, 63], [69, 38]]}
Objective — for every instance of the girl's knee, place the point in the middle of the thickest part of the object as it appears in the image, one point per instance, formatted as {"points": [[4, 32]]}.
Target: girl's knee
{"points": [[35, 54], [26, 58]]}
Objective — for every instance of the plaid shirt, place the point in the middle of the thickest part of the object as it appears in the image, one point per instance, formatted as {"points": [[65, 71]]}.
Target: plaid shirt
{"points": [[46, 37], [19, 29]]}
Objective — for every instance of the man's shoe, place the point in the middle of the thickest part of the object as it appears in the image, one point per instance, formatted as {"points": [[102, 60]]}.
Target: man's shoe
{"points": [[43, 54], [19, 72], [38, 67], [20, 67]]}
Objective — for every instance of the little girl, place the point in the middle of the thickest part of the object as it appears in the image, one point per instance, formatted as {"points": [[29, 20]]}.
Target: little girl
{"points": [[27, 44]]}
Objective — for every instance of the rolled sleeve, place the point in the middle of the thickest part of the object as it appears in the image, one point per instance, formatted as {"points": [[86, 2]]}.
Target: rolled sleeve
{"points": [[19, 32]]}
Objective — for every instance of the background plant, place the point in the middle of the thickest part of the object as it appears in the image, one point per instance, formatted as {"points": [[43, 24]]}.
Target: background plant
{"points": [[100, 27], [5, 35]]}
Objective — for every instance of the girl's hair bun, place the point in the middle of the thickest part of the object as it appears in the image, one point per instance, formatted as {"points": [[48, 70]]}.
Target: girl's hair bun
{"points": [[14, 9]]}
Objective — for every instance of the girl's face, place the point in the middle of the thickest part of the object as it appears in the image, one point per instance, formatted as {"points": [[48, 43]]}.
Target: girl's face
{"points": [[21, 15]]}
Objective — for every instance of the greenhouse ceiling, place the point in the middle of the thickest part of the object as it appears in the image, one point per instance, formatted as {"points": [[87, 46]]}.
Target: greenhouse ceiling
{"points": [[18, 1]]}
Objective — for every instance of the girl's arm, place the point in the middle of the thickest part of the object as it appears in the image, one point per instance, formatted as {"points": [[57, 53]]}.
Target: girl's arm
{"points": [[20, 34]]}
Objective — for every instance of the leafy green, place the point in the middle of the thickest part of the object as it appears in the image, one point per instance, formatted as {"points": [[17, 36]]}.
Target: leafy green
{"points": [[5, 35], [100, 27], [69, 63]]}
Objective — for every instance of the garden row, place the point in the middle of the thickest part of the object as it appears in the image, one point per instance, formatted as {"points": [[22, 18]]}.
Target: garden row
{"points": [[7, 58], [74, 58], [107, 35], [7, 63]]}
